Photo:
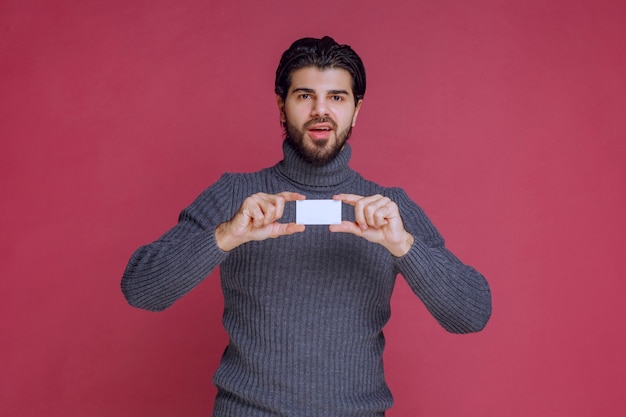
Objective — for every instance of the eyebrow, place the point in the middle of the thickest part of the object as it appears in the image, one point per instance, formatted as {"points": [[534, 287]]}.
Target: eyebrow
{"points": [[312, 91]]}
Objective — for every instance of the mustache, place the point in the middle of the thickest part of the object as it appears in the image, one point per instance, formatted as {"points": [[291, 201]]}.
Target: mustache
{"points": [[319, 120]]}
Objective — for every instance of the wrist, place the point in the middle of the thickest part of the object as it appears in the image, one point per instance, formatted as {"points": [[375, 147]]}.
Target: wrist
{"points": [[223, 239], [404, 246]]}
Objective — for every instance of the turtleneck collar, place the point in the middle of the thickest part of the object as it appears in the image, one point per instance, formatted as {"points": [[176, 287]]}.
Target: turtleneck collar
{"points": [[296, 169]]}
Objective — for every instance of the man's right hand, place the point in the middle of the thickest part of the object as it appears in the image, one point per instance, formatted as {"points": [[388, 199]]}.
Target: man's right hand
{"points": [[257, 219]]}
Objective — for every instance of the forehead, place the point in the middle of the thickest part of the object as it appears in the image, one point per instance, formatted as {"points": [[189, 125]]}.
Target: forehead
{"points": [[329, 79]]}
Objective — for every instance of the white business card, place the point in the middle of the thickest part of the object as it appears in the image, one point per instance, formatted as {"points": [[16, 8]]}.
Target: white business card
{"points": [[318, 212]]}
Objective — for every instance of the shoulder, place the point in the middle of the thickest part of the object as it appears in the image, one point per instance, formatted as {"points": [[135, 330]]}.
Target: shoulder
{"points": [[236, 180], [414, 217], [397, 194]]}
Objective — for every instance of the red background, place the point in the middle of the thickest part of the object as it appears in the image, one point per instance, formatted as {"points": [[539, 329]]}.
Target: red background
{"points": [[503, 119]]}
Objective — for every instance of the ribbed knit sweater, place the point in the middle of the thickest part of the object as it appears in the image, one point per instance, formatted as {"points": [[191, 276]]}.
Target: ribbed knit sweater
{"points": [[305, 312]]}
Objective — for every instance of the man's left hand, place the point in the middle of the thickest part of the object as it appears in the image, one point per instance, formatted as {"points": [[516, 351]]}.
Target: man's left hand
{"points": [[378, 220]]}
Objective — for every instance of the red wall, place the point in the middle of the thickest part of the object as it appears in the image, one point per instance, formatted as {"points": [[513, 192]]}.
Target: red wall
{"points": [[504, 120]]}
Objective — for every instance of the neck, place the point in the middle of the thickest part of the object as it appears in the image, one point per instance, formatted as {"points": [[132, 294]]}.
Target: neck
{"points": [[298, 170]]}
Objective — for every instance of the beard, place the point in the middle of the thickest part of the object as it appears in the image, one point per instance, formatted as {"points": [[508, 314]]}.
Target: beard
{"points": [[318, 152]]}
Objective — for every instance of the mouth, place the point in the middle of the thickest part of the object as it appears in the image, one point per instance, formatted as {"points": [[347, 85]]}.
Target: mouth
{"points": [[319, 131]]}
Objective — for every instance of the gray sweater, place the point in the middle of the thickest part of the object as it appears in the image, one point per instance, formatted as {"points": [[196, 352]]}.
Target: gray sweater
{"points": [[305, 312]]}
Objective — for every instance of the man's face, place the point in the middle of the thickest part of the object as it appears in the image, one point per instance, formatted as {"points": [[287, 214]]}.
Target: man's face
{"points": [[319, 112]]}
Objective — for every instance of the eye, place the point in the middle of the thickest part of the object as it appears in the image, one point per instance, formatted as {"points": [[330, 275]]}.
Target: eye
{"points": [[305, 96], [336, 98]]}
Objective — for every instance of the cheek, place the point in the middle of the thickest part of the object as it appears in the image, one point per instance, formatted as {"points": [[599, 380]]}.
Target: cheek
{"points": [[350, 119], [354, 117], [297, 115]]}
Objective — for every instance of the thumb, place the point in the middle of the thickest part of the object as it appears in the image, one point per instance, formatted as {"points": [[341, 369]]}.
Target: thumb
{"points": [[346, 227]]}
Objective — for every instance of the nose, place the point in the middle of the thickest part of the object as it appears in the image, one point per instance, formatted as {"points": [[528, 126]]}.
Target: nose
{"points": [[319, 107]]}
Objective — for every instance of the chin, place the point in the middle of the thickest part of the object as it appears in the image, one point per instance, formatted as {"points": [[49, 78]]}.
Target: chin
{"points": [[317, 152]]}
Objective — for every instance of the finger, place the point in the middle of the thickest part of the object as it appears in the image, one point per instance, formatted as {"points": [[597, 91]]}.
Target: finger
{"points": [[290, 196], [381, 217], [272, 209], [346, 227], [253, 211], [284, 229], [348, 198], [376, 212], [364, 210], [276, 211], [353, 200], [292, 228], [274, 205]]}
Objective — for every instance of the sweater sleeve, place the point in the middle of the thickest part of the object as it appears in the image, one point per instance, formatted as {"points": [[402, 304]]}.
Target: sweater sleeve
{"points": [[457, 295], [163, 271]]}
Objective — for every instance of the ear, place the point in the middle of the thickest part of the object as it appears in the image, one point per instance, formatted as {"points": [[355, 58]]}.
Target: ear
{"points": [[281, 108], [356, 111]]}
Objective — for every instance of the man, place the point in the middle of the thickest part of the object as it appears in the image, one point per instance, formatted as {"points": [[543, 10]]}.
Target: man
{"points": [[305, 305]]}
